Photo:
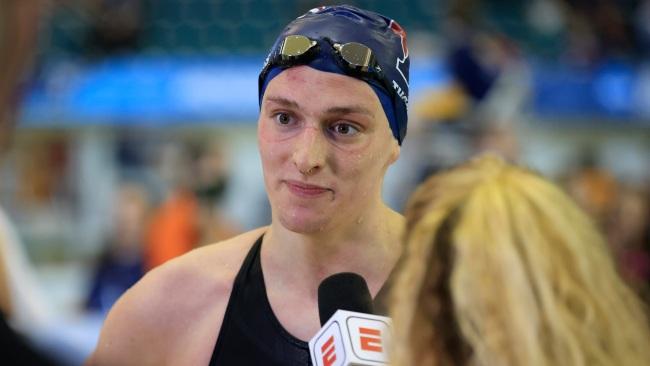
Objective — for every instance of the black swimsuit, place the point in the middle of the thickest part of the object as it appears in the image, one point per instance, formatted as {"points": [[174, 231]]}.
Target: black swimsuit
{"points": [[250, 334]]}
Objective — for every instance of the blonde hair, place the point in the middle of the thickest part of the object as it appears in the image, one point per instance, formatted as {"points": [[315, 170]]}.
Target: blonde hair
{"points": [[502, 268]]}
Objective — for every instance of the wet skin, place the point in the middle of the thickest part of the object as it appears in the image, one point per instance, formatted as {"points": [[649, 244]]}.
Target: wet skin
{"points": [[325, 145]]}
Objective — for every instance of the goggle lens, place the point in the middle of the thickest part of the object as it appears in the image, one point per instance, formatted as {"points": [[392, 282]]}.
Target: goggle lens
{"points": [[295, 46], [356, 55]]}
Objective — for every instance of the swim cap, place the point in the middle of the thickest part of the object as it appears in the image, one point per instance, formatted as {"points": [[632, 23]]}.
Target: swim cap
{"points": [[342, 24]]}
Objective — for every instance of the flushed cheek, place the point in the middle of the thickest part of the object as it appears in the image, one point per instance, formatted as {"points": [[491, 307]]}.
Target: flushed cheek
{"points": [[359, 173], [272, 170], [273, 175], [358, 163], [271, 150], [265, 133]]}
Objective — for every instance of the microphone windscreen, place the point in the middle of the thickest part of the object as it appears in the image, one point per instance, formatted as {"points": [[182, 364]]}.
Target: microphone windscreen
{"points": [[343, 291]]}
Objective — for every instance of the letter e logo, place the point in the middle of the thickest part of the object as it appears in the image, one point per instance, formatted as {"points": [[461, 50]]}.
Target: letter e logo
{"points": [[329, 352], [370, 339]]}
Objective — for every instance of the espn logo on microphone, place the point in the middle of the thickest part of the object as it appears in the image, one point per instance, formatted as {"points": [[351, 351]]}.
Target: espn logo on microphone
{"points": [[331, 351], [350, 338], [370, 340]]}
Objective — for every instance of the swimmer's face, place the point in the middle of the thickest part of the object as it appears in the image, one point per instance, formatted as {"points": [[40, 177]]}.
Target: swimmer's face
{"points": [[325, 145]]}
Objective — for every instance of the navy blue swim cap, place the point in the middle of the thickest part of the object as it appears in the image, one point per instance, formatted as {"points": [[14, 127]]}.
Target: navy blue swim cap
{"points": [[343, 24]]}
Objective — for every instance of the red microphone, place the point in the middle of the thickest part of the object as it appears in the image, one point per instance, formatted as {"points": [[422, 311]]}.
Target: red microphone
{"points": [[352, 336]]}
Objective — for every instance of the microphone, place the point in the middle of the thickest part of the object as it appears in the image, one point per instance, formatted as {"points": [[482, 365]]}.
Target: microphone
{"points": [[350, 334], [343, 291]]}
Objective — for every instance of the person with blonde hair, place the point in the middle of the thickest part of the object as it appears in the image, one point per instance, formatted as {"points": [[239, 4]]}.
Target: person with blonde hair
{"points": [[502, 268]]}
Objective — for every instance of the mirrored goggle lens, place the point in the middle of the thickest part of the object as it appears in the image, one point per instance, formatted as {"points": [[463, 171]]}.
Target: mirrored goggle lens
{"points": [[356, 55], [295, 46]]}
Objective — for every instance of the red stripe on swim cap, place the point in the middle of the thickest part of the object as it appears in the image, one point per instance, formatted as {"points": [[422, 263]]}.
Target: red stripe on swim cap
{"points": [[402, 33]]}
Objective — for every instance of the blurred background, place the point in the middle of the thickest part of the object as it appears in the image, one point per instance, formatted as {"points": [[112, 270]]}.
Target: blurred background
{"points": [[136, 133]]}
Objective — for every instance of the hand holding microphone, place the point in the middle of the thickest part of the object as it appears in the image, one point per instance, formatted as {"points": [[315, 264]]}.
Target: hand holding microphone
{"points": [[350, 335]]}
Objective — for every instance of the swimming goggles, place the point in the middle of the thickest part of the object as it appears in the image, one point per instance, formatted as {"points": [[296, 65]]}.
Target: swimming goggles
{"points": [[354, 58]]}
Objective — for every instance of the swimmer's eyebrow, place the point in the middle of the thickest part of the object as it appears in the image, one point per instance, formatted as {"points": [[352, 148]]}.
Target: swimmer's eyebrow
{"points": [[288, 103], [337, 110], [349, 110]]}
